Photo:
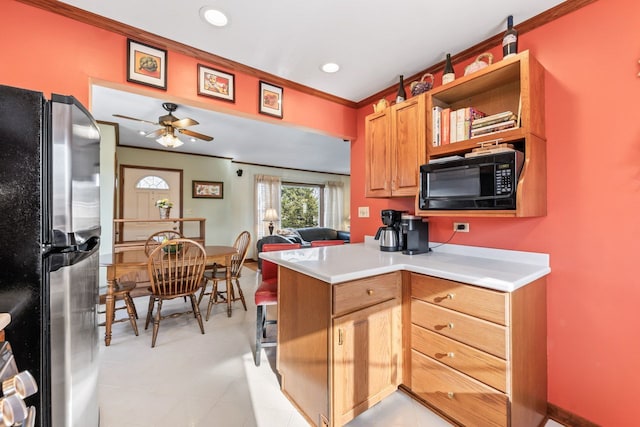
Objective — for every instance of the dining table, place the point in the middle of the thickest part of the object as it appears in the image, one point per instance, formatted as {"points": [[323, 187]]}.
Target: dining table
{"points": [[121, 263]]}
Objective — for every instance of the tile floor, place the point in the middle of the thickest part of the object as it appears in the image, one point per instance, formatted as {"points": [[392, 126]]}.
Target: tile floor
{"points": [[195, 380]]}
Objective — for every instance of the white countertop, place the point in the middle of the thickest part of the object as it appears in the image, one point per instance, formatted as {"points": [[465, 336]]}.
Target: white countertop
{"points": [[5, 319], [498, 269]]}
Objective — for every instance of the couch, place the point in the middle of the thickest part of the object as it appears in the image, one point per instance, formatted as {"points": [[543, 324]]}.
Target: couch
{"points": [[304, 236]]}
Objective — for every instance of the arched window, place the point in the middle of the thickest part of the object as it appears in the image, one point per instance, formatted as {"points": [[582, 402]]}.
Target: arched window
{"points": [[152, 182]]}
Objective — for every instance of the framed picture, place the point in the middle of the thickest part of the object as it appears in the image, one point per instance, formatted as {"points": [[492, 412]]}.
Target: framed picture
{"points": [[206, 190], [216, 83], [146, 65], [270, 99]]}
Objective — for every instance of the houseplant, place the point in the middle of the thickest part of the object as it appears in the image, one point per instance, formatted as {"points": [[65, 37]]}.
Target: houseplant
{"points": [[165, 206]]}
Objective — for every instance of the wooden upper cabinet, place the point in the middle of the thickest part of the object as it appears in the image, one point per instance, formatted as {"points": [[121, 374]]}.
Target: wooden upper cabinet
{"points": [[409, 150], [395, 149], [377, 154]]}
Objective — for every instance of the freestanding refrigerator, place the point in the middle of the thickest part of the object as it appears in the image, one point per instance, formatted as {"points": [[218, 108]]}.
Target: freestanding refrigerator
{"points": [[49, 241]]}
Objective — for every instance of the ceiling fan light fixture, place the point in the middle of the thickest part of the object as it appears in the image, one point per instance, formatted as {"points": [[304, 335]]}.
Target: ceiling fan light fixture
{"points": [[169, 141], [214, 16], [330, 67]]}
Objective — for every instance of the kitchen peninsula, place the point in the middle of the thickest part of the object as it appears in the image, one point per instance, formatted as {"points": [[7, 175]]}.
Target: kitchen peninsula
{"points": [[462, 329]]}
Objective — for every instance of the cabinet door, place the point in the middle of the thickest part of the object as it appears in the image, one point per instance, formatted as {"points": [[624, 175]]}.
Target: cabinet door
{"points": [[409, 151], [366, 359], [377, 155]]}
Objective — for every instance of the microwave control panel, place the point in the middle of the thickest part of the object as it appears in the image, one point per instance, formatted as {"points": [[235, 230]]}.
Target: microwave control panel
{"points": [[504, 179]]}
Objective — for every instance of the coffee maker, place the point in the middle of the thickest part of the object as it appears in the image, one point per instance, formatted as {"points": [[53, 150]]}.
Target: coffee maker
{"points": [[389, 235], [414, 234]]}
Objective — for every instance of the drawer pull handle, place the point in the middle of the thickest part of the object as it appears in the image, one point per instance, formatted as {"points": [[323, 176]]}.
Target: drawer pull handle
{"points": [[450, 296], [450, 325], [450, 395], [451, 354], [369, 291]]}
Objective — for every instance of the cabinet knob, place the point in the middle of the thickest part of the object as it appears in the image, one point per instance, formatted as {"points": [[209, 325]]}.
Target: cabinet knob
{"points": [[450, 395], [450, 325], [369, 291], [450, 296], [451, 354]]}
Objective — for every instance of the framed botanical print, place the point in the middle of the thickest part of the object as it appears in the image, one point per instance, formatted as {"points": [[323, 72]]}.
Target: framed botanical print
{"points": [[207, 190], [146, 65]]}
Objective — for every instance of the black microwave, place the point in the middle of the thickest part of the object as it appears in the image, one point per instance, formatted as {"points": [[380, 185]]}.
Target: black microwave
{"points": [[480, 182]]}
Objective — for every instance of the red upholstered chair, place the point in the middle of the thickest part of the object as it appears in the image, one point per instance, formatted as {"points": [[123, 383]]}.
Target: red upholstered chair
{"points": [[318, 243], [267, 294]]}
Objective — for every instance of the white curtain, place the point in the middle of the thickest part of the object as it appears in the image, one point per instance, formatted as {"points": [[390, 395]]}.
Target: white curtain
{"points": [[334, 205], [267, 196]]}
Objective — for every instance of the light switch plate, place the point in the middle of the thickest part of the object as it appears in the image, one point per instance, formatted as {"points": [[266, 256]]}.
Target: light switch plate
{"points": [[363, 212]]}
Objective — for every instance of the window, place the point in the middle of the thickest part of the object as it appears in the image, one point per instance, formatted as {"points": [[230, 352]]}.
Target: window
{"points": [[302, 205], [151, 182]]}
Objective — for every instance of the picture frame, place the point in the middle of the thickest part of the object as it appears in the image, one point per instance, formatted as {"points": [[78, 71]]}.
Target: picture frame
{"points": [[146, 65], [216, 83], [207, 190], [270, 99]]}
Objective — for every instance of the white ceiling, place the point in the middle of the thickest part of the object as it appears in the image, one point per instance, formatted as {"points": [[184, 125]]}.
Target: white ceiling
{"points": [[374, 41], [238, 138]]}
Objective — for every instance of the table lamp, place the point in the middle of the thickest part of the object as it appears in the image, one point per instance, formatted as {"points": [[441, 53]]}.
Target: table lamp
{"points": [[270, 215]]}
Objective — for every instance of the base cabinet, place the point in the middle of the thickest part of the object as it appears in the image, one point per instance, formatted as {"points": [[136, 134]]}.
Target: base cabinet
{"points": [[477, 355], [365, 359], [339, 346]]}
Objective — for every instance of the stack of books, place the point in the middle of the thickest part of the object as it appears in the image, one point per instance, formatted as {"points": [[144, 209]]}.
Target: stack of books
{"points": [[493, 123], [451, 126]]}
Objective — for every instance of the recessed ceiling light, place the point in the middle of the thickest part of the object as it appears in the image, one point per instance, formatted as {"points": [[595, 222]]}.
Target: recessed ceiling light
{"points": [[214, 16], [330, 67]]}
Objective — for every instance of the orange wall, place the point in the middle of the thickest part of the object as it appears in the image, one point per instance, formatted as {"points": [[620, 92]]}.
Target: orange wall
{"points": [[593, 143], [50, 53], [591, 231]]}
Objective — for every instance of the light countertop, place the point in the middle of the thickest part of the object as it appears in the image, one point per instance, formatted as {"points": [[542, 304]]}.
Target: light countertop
{"points": [[5, 319], [498, 269]]}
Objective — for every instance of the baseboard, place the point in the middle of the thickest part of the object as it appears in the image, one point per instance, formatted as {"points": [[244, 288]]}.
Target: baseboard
{"points": [[567, 418]]}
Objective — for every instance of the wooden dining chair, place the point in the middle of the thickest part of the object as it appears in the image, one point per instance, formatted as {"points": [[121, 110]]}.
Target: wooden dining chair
{"points": [[219, 274], [267, 294], [156, 239], [176, 269], [122, 292], [319, 243]]}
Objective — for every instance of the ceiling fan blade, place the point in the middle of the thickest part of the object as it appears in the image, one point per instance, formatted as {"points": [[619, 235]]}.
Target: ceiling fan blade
{"points": [[133, 118], [183, 123], [156, 133], [196, 134]]}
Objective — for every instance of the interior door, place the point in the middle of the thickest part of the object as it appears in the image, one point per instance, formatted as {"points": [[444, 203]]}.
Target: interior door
{"points": [[141, 187]]}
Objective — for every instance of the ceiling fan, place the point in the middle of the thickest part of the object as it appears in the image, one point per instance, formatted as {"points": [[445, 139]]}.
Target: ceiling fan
{"points": [[170, 123]]}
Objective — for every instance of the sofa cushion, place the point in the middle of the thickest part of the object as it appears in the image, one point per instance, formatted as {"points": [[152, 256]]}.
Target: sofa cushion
{"points": [[317, 233]]}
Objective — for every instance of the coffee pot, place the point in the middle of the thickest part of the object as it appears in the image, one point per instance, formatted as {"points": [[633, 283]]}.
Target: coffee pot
{"points": [[389, 235]]}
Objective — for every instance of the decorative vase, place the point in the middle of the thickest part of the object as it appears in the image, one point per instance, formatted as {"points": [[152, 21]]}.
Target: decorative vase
{"points": [[164, 213]]}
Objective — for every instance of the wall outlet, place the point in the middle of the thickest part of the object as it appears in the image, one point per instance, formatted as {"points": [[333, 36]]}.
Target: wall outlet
{"points": [[363, 212], [462, 227]]}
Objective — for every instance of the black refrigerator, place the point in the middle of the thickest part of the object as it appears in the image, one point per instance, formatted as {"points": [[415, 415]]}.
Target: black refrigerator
{"points": [[49, 241]]}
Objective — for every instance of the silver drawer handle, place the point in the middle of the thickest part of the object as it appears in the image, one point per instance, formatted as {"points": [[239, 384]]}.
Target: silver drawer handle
{"points": [[451, 354], [450, 325], [450, 296], [369, 291], [450, 395]]}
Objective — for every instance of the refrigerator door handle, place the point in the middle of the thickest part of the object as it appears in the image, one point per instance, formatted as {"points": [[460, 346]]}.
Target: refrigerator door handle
{"points": [[63, 257]]}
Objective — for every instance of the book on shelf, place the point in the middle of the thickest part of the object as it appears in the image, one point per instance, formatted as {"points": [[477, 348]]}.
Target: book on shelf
{"points": [[445, 118], [464, 119], [437, 113], [492, 119], [493, 128], [452, 126]]}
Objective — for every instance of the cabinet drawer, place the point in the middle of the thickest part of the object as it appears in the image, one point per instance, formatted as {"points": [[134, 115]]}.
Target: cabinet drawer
{"points": [[462, 398], [354, 295], [477, 333], [489, 369], [479, 302]]}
